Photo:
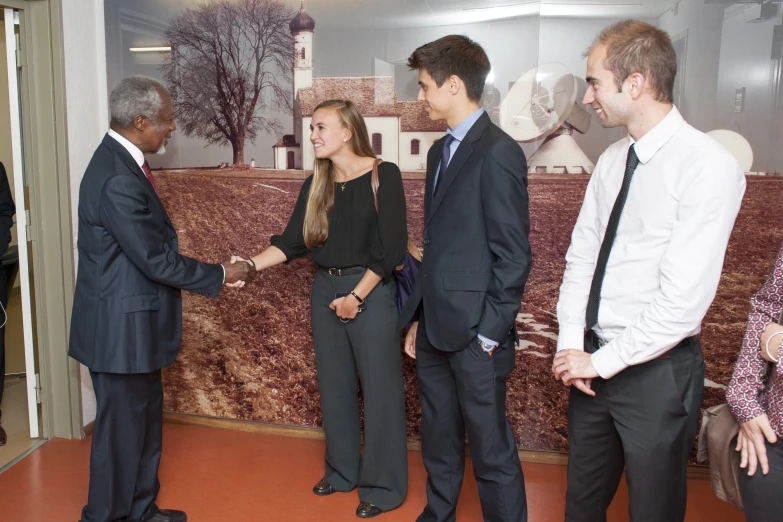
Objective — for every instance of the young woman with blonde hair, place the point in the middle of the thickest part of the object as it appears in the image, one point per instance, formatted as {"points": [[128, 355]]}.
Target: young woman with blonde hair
{"points": [[353, 305]]}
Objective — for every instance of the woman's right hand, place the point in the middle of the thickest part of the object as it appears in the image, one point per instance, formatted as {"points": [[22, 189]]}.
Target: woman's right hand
{"points": [[751, 444]]}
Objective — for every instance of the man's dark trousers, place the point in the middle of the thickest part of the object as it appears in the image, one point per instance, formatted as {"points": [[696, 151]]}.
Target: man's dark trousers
{"points": [[127, 441], [465, 391]]}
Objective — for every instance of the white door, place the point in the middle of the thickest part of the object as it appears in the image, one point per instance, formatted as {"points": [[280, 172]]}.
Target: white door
{"points": [[11, 20]]}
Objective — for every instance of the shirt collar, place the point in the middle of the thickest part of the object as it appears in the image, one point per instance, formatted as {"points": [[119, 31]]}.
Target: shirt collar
{"points": [[461, 130], [657, 137], [135, 152]]}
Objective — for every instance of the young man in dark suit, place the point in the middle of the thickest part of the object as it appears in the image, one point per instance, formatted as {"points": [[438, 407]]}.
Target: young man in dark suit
{"points": [[7, 211], [127, 310], [468, 292]]}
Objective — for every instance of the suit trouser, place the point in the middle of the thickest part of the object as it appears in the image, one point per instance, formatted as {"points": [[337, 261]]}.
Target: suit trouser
{"points": [[370, 343], [3, 318], [465, 391], [643, 418], [126, 447], [761, 493]]}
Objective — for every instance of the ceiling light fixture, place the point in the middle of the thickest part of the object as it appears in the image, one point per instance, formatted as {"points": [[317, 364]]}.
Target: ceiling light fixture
{"points": [[150, 49]]}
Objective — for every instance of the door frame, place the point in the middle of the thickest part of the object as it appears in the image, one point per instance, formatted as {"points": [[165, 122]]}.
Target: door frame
{"points": [[42, 91]]}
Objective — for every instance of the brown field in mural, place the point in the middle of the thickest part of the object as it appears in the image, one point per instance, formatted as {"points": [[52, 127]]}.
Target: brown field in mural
{"points": [[249, 355]]}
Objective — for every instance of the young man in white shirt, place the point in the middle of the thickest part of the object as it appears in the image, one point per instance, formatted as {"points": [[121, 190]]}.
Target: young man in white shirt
{"points": [[642, 269]]}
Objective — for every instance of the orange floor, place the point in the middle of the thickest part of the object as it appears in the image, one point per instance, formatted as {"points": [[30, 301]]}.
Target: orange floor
{"points": [[218, 475]]}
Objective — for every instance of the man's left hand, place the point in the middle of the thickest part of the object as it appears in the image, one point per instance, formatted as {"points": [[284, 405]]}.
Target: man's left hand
{"points": [[573, 364]]}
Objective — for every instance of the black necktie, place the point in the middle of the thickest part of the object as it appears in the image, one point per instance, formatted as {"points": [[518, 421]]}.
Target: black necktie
{"points": [[593, 302], [445, 154]]}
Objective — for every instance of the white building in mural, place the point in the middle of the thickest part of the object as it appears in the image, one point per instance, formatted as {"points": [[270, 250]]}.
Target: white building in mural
{"points": [[401, 131]]}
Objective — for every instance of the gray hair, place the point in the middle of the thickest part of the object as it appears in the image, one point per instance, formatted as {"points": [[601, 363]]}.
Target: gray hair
{"points": [[135, 96]]}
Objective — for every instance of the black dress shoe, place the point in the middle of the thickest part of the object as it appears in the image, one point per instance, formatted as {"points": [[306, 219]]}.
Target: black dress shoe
{"points": [[3, 437], [169, 515], [323, 488], [367, 510]]}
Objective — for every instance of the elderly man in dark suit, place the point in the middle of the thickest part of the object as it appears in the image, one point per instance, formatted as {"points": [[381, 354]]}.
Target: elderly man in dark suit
{"points": [[127, 311], [469, 289], [7, 211]]}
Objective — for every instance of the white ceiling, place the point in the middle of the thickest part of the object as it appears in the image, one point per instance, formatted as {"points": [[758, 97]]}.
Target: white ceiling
{"points": [[427, 13]]}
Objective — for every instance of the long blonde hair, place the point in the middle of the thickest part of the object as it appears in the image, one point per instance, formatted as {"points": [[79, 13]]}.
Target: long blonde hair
{"points": [[320, 200]]}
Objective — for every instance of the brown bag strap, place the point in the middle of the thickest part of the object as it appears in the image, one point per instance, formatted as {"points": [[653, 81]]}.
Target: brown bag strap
{"points": [[375, 182]]}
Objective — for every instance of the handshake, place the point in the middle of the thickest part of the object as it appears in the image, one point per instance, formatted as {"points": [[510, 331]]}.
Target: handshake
{"points": [[238, 272]]}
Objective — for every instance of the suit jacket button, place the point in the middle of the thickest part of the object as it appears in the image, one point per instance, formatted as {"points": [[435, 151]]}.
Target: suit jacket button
{"points": [[426, 241]]}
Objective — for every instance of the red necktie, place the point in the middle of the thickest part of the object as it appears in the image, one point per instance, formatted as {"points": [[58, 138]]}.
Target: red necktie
{"points": [[148, 173]]}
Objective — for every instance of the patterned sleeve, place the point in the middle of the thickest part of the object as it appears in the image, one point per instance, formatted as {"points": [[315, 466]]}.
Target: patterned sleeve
{"points": [[743, 391]]}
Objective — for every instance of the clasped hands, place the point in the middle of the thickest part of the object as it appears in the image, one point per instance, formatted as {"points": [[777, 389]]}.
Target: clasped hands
{"points": [[238, 272], [575, 367]]}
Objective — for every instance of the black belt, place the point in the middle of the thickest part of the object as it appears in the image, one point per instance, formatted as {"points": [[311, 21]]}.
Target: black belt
{"points": [[593, 343], [351, 270]]}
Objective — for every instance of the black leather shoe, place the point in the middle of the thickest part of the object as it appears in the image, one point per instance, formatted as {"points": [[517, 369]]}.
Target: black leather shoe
{"points": [[323, 488], [3, 436], [169, 515], [367, 510]]}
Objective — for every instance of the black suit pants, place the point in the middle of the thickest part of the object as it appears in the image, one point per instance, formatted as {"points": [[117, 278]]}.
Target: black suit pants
{"points": [[367, 346], [465, 392], [126, 447], [644, 419]]}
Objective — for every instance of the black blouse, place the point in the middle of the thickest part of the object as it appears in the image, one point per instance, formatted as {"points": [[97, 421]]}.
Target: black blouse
{"points": [[358, 235]]}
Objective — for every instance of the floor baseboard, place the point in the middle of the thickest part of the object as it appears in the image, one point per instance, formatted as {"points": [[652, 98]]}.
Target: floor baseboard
{"points": [[307, 432]]}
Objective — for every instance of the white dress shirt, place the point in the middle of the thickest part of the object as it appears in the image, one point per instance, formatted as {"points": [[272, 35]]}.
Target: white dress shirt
{"points": [[138, 157], [664, 267], [134, 151]]}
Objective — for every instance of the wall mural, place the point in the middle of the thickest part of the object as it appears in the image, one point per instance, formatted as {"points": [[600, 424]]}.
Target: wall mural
{"points": [[233, 70]]}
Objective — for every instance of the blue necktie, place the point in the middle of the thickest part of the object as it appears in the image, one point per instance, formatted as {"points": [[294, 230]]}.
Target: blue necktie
{"points": [[594, 299], [445, 155]]}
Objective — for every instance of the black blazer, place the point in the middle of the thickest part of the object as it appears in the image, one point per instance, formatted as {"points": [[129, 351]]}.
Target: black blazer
{"points": [[476, 251], [7, 211], [127, 310]]}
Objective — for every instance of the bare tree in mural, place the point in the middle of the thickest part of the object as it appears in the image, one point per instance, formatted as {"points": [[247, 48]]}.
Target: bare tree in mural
{"points": [[230, 68]]}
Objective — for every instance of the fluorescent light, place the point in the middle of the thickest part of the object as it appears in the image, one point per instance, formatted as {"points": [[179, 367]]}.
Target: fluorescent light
{"points": [[499, 6], [491, 76], [150, 49]]}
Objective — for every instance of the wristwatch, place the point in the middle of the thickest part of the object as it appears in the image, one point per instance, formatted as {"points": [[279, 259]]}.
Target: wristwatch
{"points": [[486, 346]]}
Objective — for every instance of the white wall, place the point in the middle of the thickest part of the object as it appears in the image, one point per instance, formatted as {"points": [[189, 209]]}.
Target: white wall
{"points": [[745, 61], [86, 110], [727, 51], [390, 136], [409, 162], [703, 23]]}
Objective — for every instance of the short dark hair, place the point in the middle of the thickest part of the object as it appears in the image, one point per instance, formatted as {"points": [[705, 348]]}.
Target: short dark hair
{"points": [[633, 46], [454, 55]]}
